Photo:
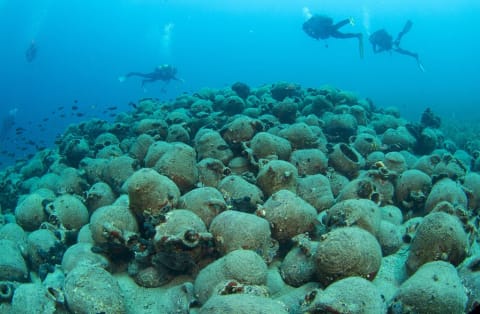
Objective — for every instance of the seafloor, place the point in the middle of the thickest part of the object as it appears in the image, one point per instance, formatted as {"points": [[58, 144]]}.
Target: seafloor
{"points": [[276, 199]]}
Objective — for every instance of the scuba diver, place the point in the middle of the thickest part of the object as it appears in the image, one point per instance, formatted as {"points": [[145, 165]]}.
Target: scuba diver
{"points": [[165, 72], [322, 27], [31, 51], [383, 41], [7, 123]]}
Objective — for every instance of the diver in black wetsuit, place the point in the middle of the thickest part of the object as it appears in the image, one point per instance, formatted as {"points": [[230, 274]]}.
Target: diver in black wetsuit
{"points": [[31, 51], [164, 73], [322, 27], [7, 123], [383, 41]]}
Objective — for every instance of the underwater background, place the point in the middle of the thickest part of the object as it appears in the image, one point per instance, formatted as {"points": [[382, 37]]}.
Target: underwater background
{"points": [[272, 173], [84, 46]]}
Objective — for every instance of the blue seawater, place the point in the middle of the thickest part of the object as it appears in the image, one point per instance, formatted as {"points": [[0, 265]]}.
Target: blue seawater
{"points": [[83, 46]]}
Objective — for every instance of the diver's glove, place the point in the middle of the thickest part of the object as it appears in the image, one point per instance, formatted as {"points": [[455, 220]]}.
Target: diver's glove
{"points": [[351, 20]]}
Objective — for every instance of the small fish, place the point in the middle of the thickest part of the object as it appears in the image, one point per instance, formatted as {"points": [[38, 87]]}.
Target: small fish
{"points": [[80, 114], [45, 119], [112, 108], [74, 107]]}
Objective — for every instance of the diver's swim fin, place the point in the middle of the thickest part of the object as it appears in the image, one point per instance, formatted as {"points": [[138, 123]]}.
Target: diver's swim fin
{"points": [[420, 66], [122, 78], [407, 27]]}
